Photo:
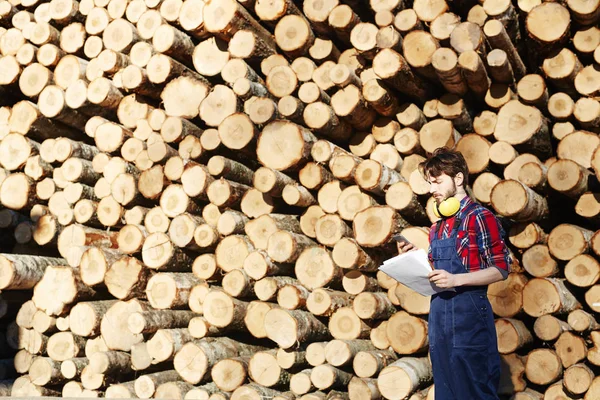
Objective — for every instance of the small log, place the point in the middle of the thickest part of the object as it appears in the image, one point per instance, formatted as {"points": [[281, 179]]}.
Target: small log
{"points": [[571, 349], [264, 370], [85, 317], [166, 343], [300, 382], [159, 253], [297, 195], [64, 345], [72, 368], [327, 376], [538, 262], [255, 317], [281, 81], [95, 262], [45, 371], [24, 272], [196, 358], [474, 72], [146, 385], [170, 290], [287, 327], [373, 306], [344, 324], [562, 300], [526, 205], [369, 363], [405, 376], [512, 335], [114, 329], [393, 69]]}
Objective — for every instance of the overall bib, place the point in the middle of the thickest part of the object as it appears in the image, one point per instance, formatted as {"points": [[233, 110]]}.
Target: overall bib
{"points": [[462, 337]]}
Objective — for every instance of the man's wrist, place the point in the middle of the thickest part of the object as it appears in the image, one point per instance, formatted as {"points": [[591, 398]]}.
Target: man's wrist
{"points": [[461, 279]]}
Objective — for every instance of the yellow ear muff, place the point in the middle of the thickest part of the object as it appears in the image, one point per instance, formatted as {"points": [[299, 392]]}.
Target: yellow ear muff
{"points": [[447, 208]]}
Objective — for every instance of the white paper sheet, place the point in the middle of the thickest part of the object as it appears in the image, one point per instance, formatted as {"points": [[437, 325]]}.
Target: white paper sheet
{"points": [[411, 269]]}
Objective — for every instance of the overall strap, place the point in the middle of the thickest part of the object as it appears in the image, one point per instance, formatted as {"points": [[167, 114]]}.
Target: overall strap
{"points": [[457, 220]]}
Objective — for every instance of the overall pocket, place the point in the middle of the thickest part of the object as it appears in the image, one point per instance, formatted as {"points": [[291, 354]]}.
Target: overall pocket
{"points": [[469, 321]]}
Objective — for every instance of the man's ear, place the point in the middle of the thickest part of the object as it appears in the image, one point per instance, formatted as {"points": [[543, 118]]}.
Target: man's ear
{"points": [[459, 179]]}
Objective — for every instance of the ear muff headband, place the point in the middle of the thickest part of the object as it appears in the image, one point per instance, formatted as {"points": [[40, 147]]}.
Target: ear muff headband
{"points": [[447, 208]]}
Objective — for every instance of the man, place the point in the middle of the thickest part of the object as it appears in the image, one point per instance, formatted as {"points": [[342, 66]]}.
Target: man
{"points": [[468, 253]]}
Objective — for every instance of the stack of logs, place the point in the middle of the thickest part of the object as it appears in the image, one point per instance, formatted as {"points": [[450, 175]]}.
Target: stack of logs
{"points": [[196, 195]]}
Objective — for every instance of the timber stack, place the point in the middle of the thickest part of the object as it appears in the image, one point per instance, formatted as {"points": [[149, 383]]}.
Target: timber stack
{"points": [[196, 195]]}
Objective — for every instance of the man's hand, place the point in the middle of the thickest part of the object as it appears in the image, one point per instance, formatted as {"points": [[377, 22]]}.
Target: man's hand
{"points": [[403, 247], [443, 279]]}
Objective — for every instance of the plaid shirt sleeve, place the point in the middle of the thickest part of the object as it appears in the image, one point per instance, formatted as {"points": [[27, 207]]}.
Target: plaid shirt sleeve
{"points": [[492, 249]]}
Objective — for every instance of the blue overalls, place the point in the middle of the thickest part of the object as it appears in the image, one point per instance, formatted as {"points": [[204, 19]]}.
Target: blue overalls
{"points": [[462, 337]]}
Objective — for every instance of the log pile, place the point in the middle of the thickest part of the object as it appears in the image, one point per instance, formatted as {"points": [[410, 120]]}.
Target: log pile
{"points": [[196, 194]]}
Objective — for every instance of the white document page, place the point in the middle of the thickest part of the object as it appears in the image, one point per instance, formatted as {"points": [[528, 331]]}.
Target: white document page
{"points": [[412, 269]]}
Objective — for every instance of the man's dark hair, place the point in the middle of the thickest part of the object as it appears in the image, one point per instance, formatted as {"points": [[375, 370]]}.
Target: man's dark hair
{"points": [[445, 161]]}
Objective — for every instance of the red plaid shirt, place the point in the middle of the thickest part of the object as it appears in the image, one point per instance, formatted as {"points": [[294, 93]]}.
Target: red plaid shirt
{"points": [[480, 242]]}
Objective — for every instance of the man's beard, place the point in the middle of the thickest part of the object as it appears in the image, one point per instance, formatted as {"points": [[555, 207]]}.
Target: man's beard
{"points": [[451, 193]]}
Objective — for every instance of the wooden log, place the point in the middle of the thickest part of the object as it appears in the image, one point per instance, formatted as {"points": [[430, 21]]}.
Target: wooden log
{"points": [[512, 335], [568, 177], [45, 371], [445, 62], [327, 376], [24, 272], [577, 379], [474, 72], [580, 238], [363, 388], [64, 345], [570, 348], [300, 382], [85, 317], [145, 386], [393, 69], [564, 301], [176, 390], [373, 306], [233, 318], [538, 261], [95, 262], [368, 363], [72, 368], [349, 103], [237, 131], [509, 304], [114, 328], [166, 343], [196, 358], [159, 253], [170, 290], [255, 317], [231, 252], [287, 327], [537, 19], [390, 220], [57, 299], [403, 377], [526, 205], [281, 81], [264, 370], [498, 38]]}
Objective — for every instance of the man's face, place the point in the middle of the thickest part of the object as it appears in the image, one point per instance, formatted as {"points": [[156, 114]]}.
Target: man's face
{"points": [[442, 187]]}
